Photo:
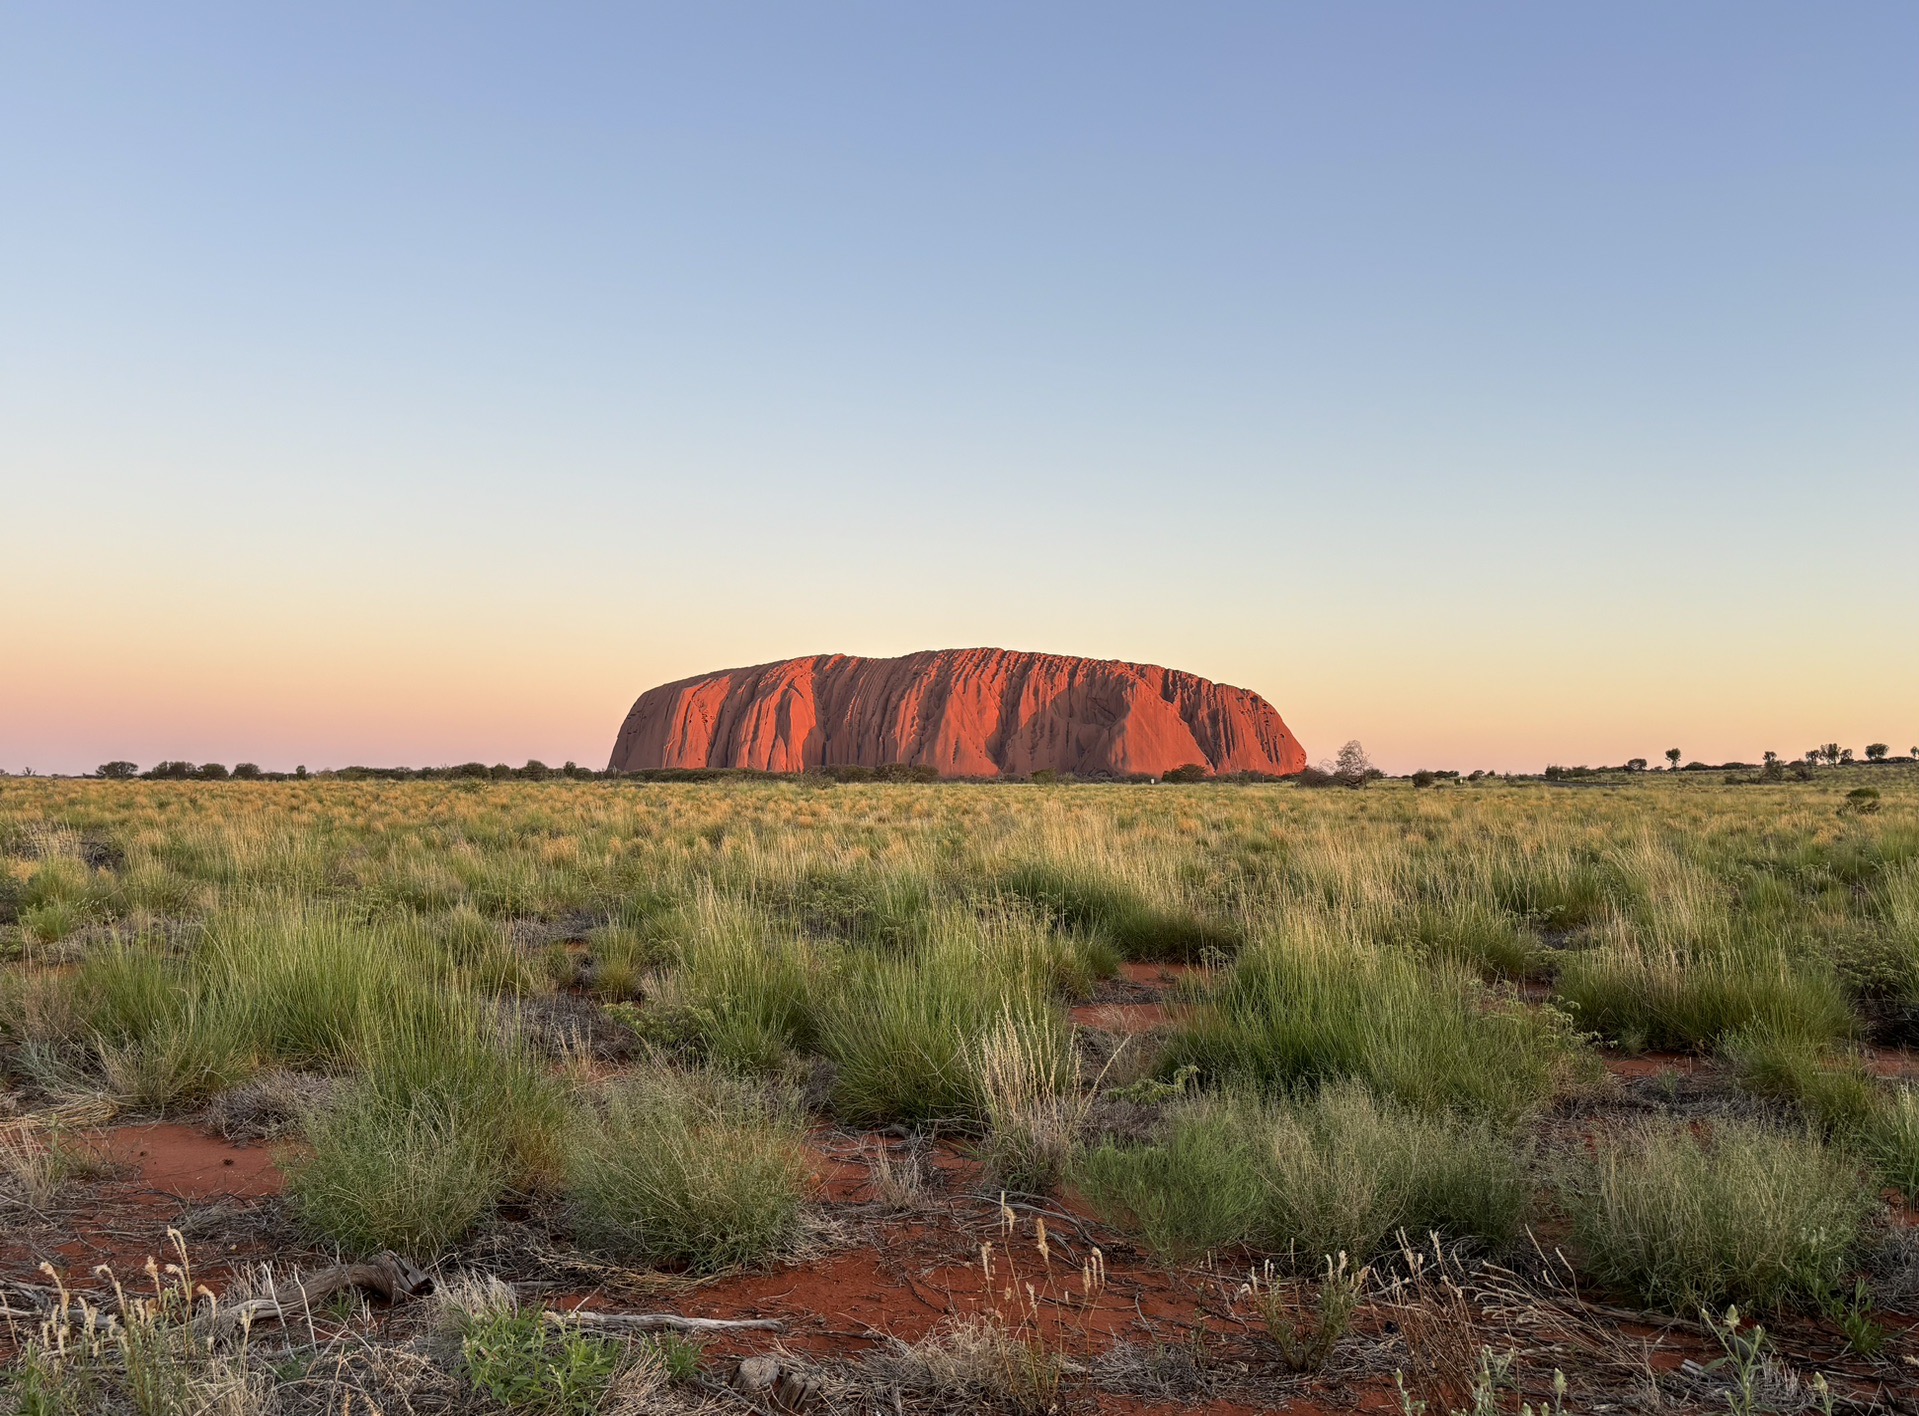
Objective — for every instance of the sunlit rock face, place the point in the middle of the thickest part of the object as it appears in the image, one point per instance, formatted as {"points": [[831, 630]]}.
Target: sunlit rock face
{"points": [[963, 712]]}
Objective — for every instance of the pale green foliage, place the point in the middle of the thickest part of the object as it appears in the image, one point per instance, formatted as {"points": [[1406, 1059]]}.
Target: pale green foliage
{"points": [[698, 1169], [1742, 1213]]}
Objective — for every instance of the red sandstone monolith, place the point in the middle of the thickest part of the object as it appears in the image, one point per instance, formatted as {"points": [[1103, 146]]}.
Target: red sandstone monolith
{"points": [[963, 712]]}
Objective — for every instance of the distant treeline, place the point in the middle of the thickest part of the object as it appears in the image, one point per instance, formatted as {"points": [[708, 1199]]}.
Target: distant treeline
{"points": [[181, 771]]}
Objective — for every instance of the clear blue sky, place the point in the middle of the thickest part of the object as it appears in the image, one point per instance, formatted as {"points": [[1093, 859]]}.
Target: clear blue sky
{"points": [[1495, 383]]}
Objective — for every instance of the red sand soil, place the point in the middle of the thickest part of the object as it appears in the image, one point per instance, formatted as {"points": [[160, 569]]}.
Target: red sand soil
{"points": [[1159, 975], [1653, 1064], [189, 1163], [963, 712], [158, 1169], [1123, 1017], [1894, 1063]]}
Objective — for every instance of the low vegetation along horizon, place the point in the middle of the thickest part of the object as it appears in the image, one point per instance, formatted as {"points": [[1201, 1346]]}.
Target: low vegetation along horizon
{"points": [[1184, 1093]]}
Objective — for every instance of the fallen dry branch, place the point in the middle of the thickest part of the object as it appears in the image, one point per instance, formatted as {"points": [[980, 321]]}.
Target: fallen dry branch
{"points": [[660, 1322], [388, 1276]]}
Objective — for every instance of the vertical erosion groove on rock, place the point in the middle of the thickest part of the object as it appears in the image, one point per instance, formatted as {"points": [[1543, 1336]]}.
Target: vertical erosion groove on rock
{"points": [[963, 712]]}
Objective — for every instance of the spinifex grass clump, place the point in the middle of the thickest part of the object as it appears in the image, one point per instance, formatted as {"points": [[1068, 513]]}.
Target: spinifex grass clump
{"points": [[1332, 1173], [1200, 1189], [902, 1029], [1741, 1213], [1081, 897], [1643, 994], [1890, 1139], [741, 990], [1468, 933], [1310, 1007], [1346, 1172], [1027, 1076], [697, 1169], [449, 1113], [1834, 1093]]}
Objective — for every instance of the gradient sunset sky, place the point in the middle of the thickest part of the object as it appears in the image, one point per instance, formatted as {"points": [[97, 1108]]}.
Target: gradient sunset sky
{"points": [[1495, 383]]}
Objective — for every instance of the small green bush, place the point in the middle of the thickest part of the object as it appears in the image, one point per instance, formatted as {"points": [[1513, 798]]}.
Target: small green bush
{"points": [[1302, 1012], [1891, 1138], [53, 921], [525, 1364], [1080, 898], [1742, 1214], [1673, 999], [1337, 1172], [694, 1169], [1346, 1172], [1200, 1190]]}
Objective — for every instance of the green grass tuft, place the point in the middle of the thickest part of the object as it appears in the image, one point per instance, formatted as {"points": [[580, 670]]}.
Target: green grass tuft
{"points": [[1742, 1214], [700, 1170]]}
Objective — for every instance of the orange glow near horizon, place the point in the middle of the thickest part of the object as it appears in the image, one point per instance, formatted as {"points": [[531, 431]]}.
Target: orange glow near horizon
{"points": [[281, 683]]}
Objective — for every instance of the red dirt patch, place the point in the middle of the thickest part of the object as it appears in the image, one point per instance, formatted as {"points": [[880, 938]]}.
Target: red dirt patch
{"points": [[1123, 1017], [188, 1163], [1158, 975], [1652, 1064], [1893, 1063]]}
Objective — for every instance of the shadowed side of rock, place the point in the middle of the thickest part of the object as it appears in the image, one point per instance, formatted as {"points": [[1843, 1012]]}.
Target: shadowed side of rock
{"points": [[963, 712]]}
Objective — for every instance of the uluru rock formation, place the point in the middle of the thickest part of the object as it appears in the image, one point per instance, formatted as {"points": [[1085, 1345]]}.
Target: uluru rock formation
{"points": [[963, 712]]}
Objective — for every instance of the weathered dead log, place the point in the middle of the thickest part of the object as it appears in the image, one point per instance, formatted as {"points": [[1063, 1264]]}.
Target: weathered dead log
{"points": [[388, 1276], [660, 1322]]}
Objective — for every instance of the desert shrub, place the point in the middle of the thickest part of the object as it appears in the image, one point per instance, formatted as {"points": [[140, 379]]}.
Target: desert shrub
{"points": [[521, 1362], [1743, 1213], [1890, 1138], [695, 1169], [1314, 1008], [846, 772], [1835, 1094], [1862, 801], [52, 922], [1199, 1190], [447, 1115], [1669, 998], [1079, 897], [745, 994], [900, 1029], [1345, 1172], [1191, 772]]}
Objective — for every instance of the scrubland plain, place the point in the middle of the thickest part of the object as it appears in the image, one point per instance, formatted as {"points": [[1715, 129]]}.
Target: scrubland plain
{"points": [[1006, 1097]]}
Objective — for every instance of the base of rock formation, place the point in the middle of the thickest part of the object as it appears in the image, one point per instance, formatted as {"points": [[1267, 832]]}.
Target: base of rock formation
{"points": [[961, 712]]}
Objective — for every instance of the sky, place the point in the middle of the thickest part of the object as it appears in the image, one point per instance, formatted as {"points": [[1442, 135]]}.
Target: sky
{"points": [[1497, 384]]}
